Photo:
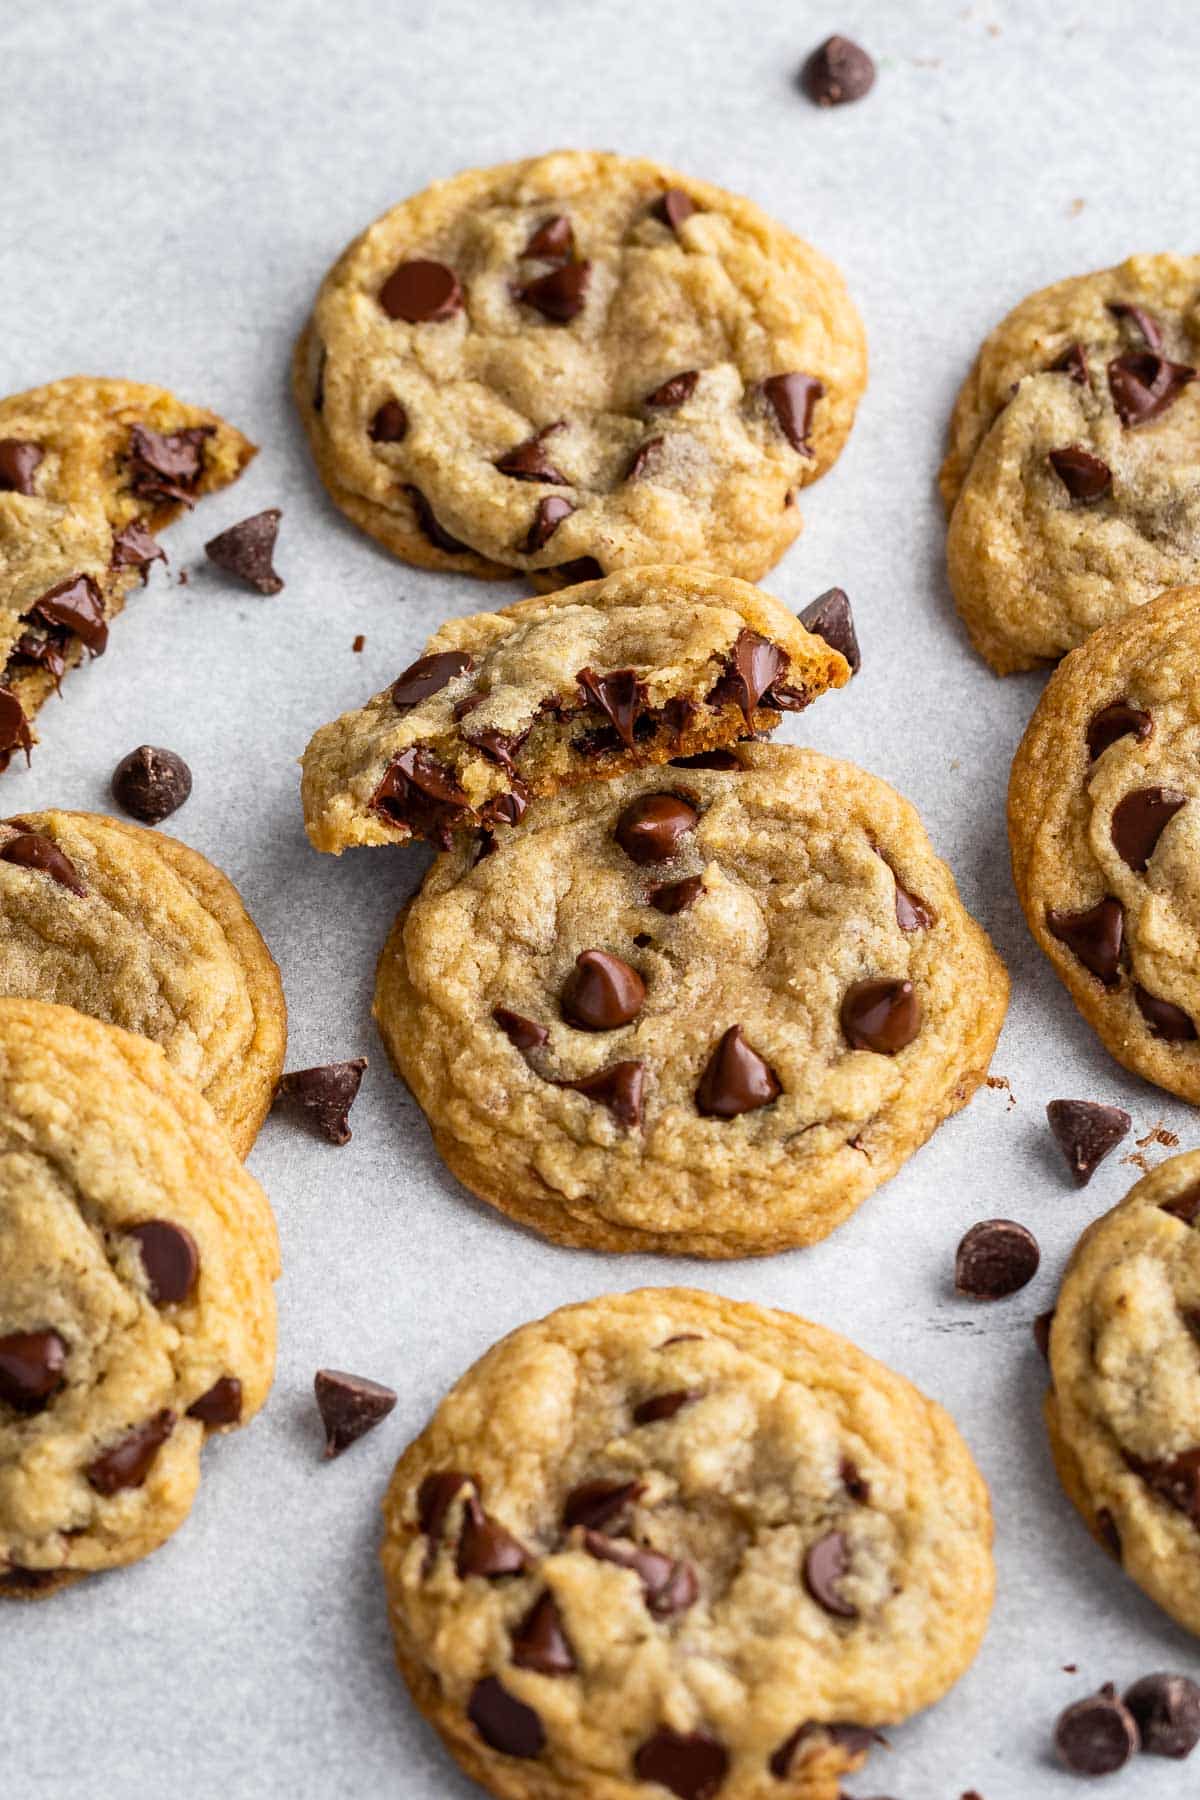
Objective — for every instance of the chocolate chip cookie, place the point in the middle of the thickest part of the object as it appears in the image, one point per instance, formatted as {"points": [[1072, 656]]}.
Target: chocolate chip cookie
{"points": [[1124, 1408], [136, 1311], [707, 1008], [89, 470], [580, 358], [1104, 825], [136, 929], [583, 684], [1072, 477], [664, 1541]]}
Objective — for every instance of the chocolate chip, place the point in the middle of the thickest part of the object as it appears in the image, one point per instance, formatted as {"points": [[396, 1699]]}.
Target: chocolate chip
{"points": [[504, 1722], [126, 1463], [31, 1368], [1086, 1132], [583, 568], [552, 241], [829, 616], [19, 460], [1166, 1710], [246, 550], [826, 1562], [1098, 1735], [837, 72], [435, 1497], [1144, 384], [792, 399], [16, 1580], [520, 1031], [349, 1406], [151, 783], [14, 728], [752, 664], [428, 676], [1145, 324], [1185, 1206], [41, 648], [136, 548], [167, 465], [673, 207], [1140, 819], [651, 828], [437, 534], [676, 896], [1083, 475], [551, 510], [528, 462], [1115, 721], [1041, 1332], [421, 291], [419, 792], [326, 1094], [708, 759], [1106, 1531], [736, 1079], [675, 391], [318, 399], [389, 424], [912, 913], [1166, 1020], [1073, 362], [558, 296], [669, 1584], [618, 1087], [170, 1257], [539, 1641], [485, 1548], [601, 993], [881, 1014], [642, 457], [620, 696], [663, 1406], [505, 809], [76, 604], [1095, 936], [30, 850], [994, 1259], [855, 1740], [1175, 1479], [221, 1404], [597, 1503]]}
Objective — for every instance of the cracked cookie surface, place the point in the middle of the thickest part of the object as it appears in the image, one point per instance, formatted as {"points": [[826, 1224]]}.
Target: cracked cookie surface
{"points": [[136, 1309], [578, 356], [580, 685], [1072, 476], [664, 1540], [137, 929], [694, 1009], [1104, 828]]}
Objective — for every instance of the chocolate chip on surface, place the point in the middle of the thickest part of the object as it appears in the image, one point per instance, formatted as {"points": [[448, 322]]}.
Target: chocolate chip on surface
{"points": [[127, 1463], [1143, 385], [736, 1079], [664, 1406], [690, 1764], [1098, 1735], [171, 1258], [539, 1641], [826, 1563], [620, 696], [435, 1497], [830, 616], [19, 462], [551, 510], [78, 605], [151, 783], [1164, 1019], [503, 1722], [247, 550], [676, 896], [560, 295], [601, 993], [528, 461], [389, 424], [326, 1094], [619, 1088], [882, 1014], [1084, 476], [669, 1584], [349, 1406], [837, 72], [552, 241], [418, 791], [1139, 820], [595, 1504], [1116, 721], [31, 1369], [642, 459], [792, 398], [752, 664], [523, 1032], [675, 390], [221, 1404], [995, 1258], [1085, 1132], [673, 207], [1095, 936], [485, 1547], [1166, 1710], [421, 291], [428, 676], [32, 850], [431, 527], [1175, 1479], [167, 465], [651, 828]]}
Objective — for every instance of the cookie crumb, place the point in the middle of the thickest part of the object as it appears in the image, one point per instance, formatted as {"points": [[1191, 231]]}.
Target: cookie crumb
{"points": [[1158, 1134], [1075, 208]]}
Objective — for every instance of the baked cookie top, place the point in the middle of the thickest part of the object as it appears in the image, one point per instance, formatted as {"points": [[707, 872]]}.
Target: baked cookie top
{"points": [[138, 930], [586, 683], [1124, 1409], [663, 1540], [89, 470], [1073, 470], [1104, 826], [705, 1009], [136, 1311], [578, 356]]}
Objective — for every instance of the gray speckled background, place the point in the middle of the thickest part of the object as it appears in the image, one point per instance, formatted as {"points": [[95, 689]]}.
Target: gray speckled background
{"points": [[176, 181]]}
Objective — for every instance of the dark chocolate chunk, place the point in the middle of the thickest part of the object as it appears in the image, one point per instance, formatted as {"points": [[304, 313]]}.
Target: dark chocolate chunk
{"points": [[419, 792], [136, 548], [1115, 721], [676, 896], [389, 425], [19, 461], [1143, 385], [1098, 1735], [14, 728], [619, 1087], [601, 993], [620, 696], [221, 1404], [421, 291], [558, 296], [151, 783], [77, 605], [31, 1369], [552, 241], [350, 1406], [1166, 1710], [595, 1504], [829, 616], [428, 676], [504, 1722], [675, 391], [1095, 936], [1073, 362], [792, 398], [1086, 1132], [30, 850], [826, 1563], [691, 1764], [1166, 1020], [1140, 819], [994, 1259], [247, 549], [837, 72], [1083, 475], [126, 1463], [664, 1406], [736, 1079], [171, 1258], [669, 1583], [549, 514], [427, 519], [642, 457], [881, 1014], [652, 827], [167, 465], [522, 1032], [485, 1548], [326, 1093], [540, 1642], [673, 207]]}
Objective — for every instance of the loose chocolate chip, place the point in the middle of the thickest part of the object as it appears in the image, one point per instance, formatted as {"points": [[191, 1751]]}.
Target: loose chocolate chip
{"points": [[247, 549], [485, 1548], [651, 828], [558, 296], [30, 850], [428, 676], [676, 896], [1166, 1710], [435, 1497], [1095, 936], [539, 1641], [1145, 324], [856, 1740], [620, 696], [673, 207], [736, 1079], [752, 664], [1041, 1332], [551, 510], [994, 1259], [837, 72], [19, 460], [829, 616], [1140, 819], [552, 241], [642, 457], [1098, 1735], [504, 1722], [675, 391], [825, 1564], [1175, 1479], [31, 1368], [14, 728], [618, 1087], [151, 783], [1115, 721], [528, 462], [326, 1093], [669, 1584], [1166, 1020], [1144, 384], [792, 399], [601, 993], [663, 1406], [170, 1257], [126, 1463], [221, 1404], [136, 548], [349, 1406], [419, 792], [1086, 1132], [1185, 1206], [437, 534], [1083, 475], [881, 1014], [389, 425], [77, 604], [595, 1504], [708, 759], [520, 1031], [167, 465], [420, 291]]}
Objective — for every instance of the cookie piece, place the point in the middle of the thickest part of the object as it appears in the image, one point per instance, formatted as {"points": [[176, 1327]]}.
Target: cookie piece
{"points": [[1072, 477], [664, 1540], [136, 1310], [580, 356], [89, 470], [586, 683], [706, 1010], [1104, 827], [136, 929], [1124, 1408]]}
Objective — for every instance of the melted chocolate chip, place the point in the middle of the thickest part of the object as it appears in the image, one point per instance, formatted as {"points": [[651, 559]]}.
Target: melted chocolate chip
{"points": [[170, 1257], [19, 461], [664, 1406], [1084, 476], [522, 1032], [673, 207], [855, 1740], [1145, 325], [595, 1504], [552, 241], [826, 1563], [651, 828], [77, 605], [601, 993], [421, 291], [349, 1406], [31, 1369], [752, 664], [881, 1014], [504, 1722], [167, 465], [1175, 1479], [620, 696], [539, 1641], [676, 896], [560, 295], [136, 548], [792, 399], [326, 1093], [505, 809], [551, 510], [1185, 1206], [837, 72], [528, 462], [151, 783], [1086, 1132], [1073, 362], [1098, 1735], [30, 850], [435, 1497], [485, 1548], [1140, 819], [995, 1258], [619, 1087], [1166, 1021], [42, 649], [221, 1404], [14, 728], [247, 550], [670, 1585], [1143, 385], [829, 616], [1095, 936], [675, 391], [438, 536], [428, 676], [642, 457], [736, 1079], [389, 424], [1166, 1710], [419, 792], [127, 1463], [1116, 721]]}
